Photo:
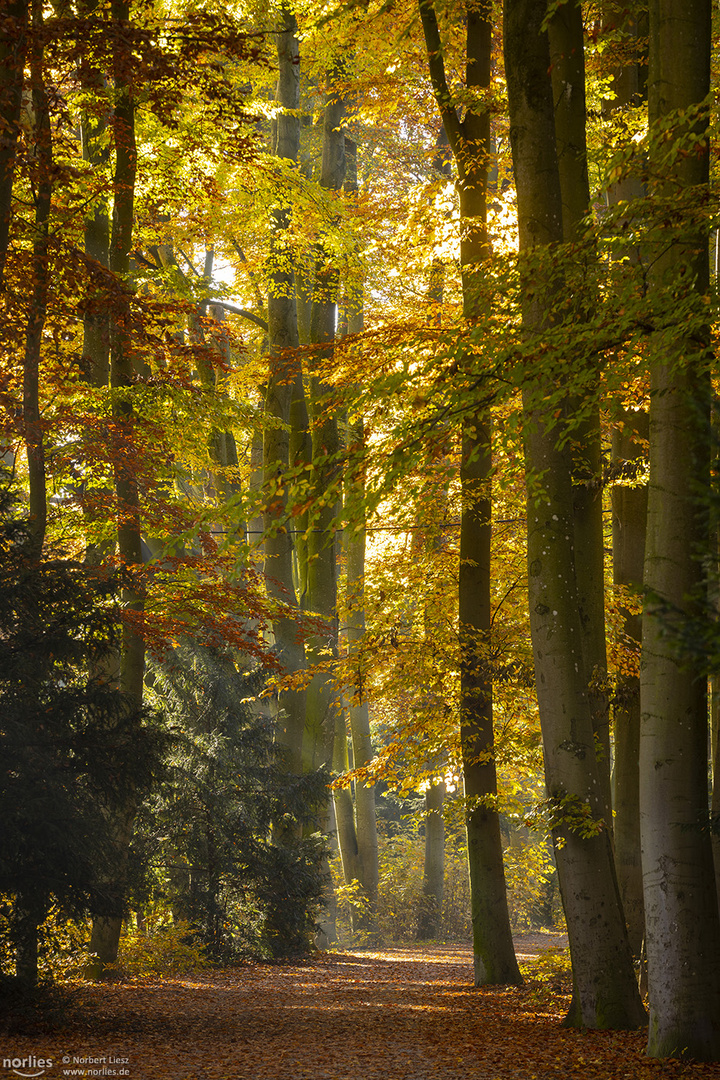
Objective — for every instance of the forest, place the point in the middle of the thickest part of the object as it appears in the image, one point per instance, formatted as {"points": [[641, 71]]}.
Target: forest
{"points": [[359, 504]]}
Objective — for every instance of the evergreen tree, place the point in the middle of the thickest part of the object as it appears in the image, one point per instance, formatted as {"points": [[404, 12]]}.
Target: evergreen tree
{"points": [[70, 747], [213, 821]]}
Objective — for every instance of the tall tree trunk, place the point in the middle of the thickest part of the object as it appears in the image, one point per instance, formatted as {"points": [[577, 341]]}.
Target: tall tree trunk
{"points": [[565, 33], [681, 915], [345, 819], [105, 937], [606, 993], [95, 151], [354, 538], [26, 916], [38, 301], [324, 706], [300, 450], [323, 702], [433, 882], [283, 378], [629, 520], [431, 537], [494, 955], [359, 717], [357, 832], [13, 47]]}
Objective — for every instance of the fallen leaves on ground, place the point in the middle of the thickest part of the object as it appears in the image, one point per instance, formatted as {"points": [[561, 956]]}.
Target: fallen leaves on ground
{"points": [[398, 1014]]}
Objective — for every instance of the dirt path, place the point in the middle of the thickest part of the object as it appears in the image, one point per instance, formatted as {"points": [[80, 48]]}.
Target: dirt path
{"points": [[400, 1014]]}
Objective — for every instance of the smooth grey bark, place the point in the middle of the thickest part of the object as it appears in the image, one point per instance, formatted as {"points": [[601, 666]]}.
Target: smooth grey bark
{"points": [[122, 370], [605, 990], [629, 519], [430, 536], [300, 451], [324, 706], [681, 913], [353, 542], [283, 376], [494, 954], [433, 882], [323, 702], [567, 60], [356, 820], [255, 525], [345, 824], [13, 48], [368, 871]]}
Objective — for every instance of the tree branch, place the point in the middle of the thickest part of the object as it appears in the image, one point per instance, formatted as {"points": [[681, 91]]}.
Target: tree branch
{"points": [[235, 310], [438, 78]]}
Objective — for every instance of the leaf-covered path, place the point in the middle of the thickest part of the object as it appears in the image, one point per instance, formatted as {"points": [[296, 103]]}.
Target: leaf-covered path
{"points": [[401, 1014]]}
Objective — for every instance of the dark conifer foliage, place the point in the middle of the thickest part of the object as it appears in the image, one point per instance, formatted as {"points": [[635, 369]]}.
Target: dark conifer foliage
{"points": [[217, 832], [69, 747]]}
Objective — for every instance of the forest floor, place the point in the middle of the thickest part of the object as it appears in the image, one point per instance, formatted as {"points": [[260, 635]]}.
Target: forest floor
{"points": [[395, 1014]]}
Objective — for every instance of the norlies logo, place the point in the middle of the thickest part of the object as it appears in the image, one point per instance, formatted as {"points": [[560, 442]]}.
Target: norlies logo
{"points": [[28, 1066]]}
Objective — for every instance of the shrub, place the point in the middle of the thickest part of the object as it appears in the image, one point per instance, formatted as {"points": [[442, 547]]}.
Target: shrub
{"points": [[548, 975], [161, 947]]}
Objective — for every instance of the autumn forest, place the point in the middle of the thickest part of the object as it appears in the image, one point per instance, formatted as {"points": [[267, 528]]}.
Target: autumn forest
{"points": [[360, 531]]}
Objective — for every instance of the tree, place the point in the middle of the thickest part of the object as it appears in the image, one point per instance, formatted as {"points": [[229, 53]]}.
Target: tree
{"points": [[96, 152], [565, 36], [323, 703], [433, 882], [207, 831], [605, 991], [13, 46], [107, 927], [629, 499], [358, 838], [469, 140], [681, 913], [66, 736], [284, 386], [34, 443]]}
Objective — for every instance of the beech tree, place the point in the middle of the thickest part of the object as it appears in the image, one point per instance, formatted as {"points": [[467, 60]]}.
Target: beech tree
{"points": [[681, 912], [629, 502], [469, 140], [605, 990], [565, 36], [106, 928], [13, 48], [284, 399]]}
